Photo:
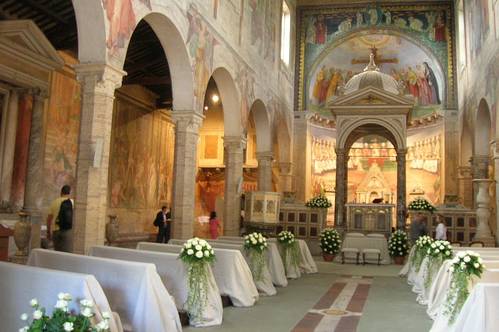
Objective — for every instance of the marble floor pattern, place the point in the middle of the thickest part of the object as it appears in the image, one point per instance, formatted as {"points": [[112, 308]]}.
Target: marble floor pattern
{"points": [[340, 298]]}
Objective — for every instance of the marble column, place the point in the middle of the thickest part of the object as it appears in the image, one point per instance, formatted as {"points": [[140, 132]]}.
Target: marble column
{"points": [[496, 178], [340, 188], [264, 170], [98, 85], [234, 149], [9, 146], [286, 176], [465, 186], [479, 170], [302, 155], [187, 125], [33, 197], [401, 188], [483, 233]]}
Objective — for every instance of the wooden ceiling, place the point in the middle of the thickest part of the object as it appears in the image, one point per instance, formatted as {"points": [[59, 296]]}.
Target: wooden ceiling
{"points": [[145, 63]]}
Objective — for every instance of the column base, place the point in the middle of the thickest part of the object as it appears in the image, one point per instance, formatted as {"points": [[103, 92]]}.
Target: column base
{"points": [[488, 241]]}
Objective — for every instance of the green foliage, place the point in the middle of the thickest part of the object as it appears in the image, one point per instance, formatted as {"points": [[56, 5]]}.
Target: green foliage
{"points": [[421, 204], [290, 247], [330, 241], [319, 201], [422, 244], [398, 245], [255, 245]]}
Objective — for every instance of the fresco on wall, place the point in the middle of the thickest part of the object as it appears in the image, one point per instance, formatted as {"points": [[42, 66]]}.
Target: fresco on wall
{"points": [[372, 165], [201, 44], [408, 64], [262, 27], [61, 141], [478, 21], [246, 85], [325, 29], [121, 22]]}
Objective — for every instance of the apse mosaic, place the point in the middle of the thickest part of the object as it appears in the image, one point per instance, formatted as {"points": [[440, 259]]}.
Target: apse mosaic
{"points": [[411, 43]]}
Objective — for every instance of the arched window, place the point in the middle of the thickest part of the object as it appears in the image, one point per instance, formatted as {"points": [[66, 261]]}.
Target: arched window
{"points": [[461, 44], [285, 33]]}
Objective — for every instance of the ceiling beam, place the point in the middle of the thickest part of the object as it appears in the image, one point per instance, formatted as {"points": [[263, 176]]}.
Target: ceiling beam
{"points": [[148, 80], [46, 11]]}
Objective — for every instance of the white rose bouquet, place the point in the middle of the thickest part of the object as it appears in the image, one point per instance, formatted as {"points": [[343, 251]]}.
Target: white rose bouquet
{"points": [[437, 252], [319, 201], [330, 241], [255, 245], [63, 319], [421, 204], [422, 245], [290, 251], [196, 255], [465, 266], [398, 245]]}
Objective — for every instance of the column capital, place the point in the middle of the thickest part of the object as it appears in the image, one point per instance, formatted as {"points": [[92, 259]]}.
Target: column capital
{"points": [[234, 142], [285, 167], [39, 94], [101, 77], [264, 155], [187, 120], [340, 152], [464, 171]]}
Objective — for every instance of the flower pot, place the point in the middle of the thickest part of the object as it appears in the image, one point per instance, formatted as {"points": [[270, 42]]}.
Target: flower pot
{"points": [[328, 257], [399, 260], [22, 234]]}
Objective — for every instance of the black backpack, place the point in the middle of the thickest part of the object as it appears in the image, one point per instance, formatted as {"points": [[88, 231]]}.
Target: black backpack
{"points": [[65, 217]]}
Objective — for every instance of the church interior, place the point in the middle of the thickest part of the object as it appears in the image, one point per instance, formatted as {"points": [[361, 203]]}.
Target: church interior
{"points": [[332, 162]]}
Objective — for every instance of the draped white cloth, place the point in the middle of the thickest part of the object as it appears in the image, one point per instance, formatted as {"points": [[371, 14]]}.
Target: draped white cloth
{"points": [[173, 275], [274, 261], [419, 280], [407, 267], [479, 312], [264, 285], [19, 284], [232, 274], [134, 290], [307, 263]]}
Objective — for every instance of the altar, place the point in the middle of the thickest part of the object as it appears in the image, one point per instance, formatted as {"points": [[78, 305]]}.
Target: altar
{"points": [[369, 218]]}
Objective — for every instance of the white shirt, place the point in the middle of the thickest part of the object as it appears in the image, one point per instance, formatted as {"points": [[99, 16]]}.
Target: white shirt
{"points": [[441, 232]]}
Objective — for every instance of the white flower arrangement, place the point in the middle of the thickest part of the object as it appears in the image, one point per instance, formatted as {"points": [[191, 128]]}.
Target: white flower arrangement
{"points": [[319, 201], [465, 265], [398, 244], [255, 245], [421, 204], [437, 253], [64, 320], [290, 250], [196, 255], [422, 245], [286, 238], [330, 241]]}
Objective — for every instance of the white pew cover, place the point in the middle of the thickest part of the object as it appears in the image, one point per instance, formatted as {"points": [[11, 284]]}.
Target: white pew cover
{"points": [[134, 290], [19, 284], [231, 272], [173, 274]]}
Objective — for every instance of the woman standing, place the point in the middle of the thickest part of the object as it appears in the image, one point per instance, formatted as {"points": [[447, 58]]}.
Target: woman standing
{"points": [[214, 225]]}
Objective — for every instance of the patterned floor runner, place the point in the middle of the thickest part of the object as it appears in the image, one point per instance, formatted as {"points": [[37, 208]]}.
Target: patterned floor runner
{"points": [[338, 310]]}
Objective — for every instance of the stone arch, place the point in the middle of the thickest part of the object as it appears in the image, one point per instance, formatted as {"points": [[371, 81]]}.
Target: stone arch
{"points": [[262, 126], [483, 125], [229, 97], [397, 136], [447, 84], [178, 60], [91, 26]]}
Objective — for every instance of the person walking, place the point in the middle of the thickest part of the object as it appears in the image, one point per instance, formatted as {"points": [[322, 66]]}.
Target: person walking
{"points": [[441, 230], [418, 227], [162, 221], [61, 212], [214, 225]]}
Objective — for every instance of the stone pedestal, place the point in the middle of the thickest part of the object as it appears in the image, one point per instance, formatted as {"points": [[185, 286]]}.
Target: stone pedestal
{"points": [[479, 170], [264, 170], [33, 200], [466, 186], [483, 233], [98, 84], [234, 148], [187, 124]]}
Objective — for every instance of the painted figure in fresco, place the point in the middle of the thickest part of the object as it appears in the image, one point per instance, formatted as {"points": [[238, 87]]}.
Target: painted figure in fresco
{"points": [[415, 24], [320, 30], [373, 16], [388, 17], [319, 79], [423, 86], [121, 17], [333, 84], [432, 81], [412, 80], [439, 28], [359, 19], [257, 20], [345, 25], [400, 22]]}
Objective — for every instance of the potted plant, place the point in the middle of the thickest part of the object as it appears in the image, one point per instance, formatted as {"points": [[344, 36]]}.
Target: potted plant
{"points": [[319, 202], [330, 243], [398, 246], [421, 204]]}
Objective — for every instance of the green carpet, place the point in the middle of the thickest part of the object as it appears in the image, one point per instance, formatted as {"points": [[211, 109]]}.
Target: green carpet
{"points": [[391, 306]]}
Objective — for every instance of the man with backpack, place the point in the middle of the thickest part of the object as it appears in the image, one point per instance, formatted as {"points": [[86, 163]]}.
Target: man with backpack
{"points": [[61, 212]]}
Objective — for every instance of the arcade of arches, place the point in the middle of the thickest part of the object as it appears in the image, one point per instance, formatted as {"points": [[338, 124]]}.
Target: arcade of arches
{"points": [[139, 104]]}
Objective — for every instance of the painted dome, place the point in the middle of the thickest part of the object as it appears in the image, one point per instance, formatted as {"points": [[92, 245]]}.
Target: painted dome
{"points": [[371, 76]]}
